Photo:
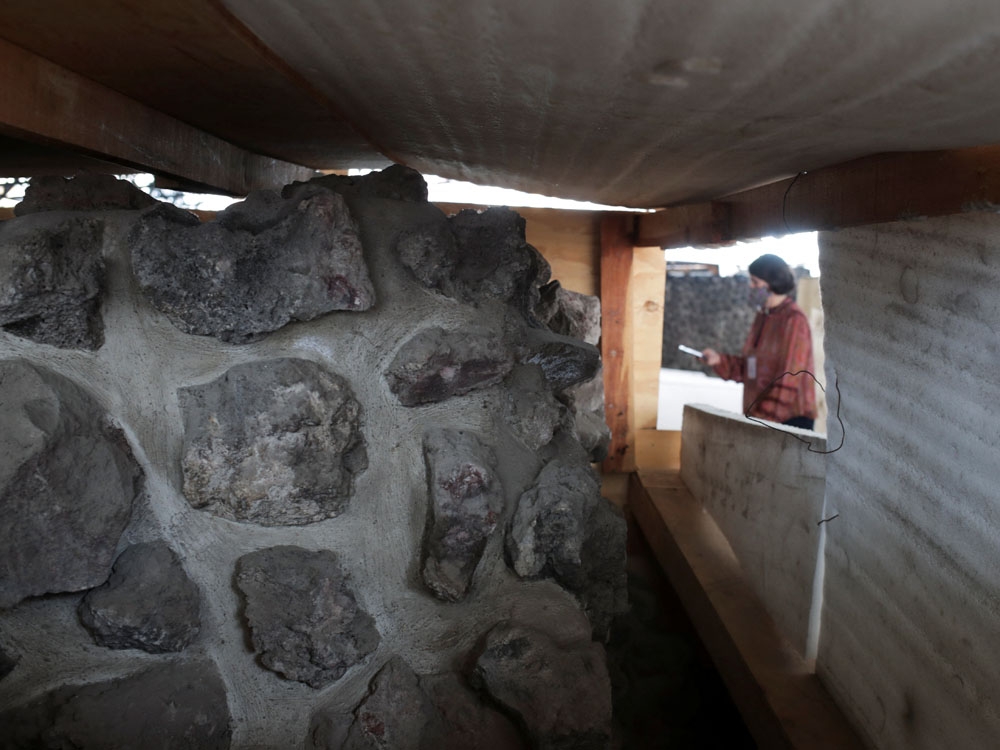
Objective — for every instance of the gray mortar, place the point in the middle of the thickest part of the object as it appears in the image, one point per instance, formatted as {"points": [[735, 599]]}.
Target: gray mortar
{"points": [[135, 377]]}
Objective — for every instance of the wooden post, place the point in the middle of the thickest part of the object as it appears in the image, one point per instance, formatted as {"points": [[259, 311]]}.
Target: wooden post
{"points": [[616, 339]]}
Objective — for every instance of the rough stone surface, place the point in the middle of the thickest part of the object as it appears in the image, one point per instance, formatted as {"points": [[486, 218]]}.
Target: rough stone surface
{"points": [[68, 481], [51, 280], [395, 182], [476, 256], [304, 620], [586, 401], [561, 696], [7, 663], [85, 192], [465, 501], [396, 713], [404, 711], [178, 706], [565, 361], [495, 261], [262, 264], [704, 311], [564, 529], [570, 313], [530, 410], [274, 443], [149, 602], [469, 721], [430, 251], [435, 364]]}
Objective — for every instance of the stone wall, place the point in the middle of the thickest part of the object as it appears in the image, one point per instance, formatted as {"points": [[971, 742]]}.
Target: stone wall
{"points": [[703, 312], [313, 474]]}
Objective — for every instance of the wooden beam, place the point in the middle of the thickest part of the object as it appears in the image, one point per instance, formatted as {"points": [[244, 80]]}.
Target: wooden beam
{"points": [[872, 190], [616, 343], [782, 702], [46, 104]]}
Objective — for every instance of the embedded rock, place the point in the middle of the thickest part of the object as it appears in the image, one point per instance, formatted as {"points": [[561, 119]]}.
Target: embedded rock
{"points": [[430, 251], [396, 713], [304, 620], [564, 360], [562, 696], [275, 443], [570, 313], [586, 401], [7, 663], [85, 192], [494, 260], [149, 603], [530, 410], [180, 706], [68, 481], [564, 529], [469, 721], [395, 182], [51, 280], [464, 504], [435, 364], [254, 269]]}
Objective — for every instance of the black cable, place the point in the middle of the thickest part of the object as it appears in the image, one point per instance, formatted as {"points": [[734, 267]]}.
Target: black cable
{"points": [[784, 200], [772, 426]]}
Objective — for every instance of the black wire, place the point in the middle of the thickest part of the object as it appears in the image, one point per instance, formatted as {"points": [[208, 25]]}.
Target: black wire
{"points": [[784, 200], [771, 425]]}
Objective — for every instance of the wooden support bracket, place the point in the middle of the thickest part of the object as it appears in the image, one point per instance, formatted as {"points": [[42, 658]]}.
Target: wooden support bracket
{"points": [[47, 104], [872, 190]]}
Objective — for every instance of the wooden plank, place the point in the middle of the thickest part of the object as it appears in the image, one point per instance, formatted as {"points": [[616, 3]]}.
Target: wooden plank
{"points": [[872, 190], [569, 240], [658, 449], [648, 286], [616, 342], [47, 104], [783, 704]]}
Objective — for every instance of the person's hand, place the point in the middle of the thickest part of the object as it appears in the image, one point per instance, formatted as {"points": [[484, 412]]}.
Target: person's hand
{"points": [[711, 357]]}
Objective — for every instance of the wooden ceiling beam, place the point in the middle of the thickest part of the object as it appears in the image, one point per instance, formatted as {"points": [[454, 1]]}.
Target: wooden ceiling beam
{"points": [[872, 190], [46, 104]]}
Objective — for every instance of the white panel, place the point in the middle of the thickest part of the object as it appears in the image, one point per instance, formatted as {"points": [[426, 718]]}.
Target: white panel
{"points": [[765, 491], [912, 595]]}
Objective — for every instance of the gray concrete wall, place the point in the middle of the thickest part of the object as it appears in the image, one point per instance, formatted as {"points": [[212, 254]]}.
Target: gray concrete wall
{"points": [[764, 488], [912, 593]]}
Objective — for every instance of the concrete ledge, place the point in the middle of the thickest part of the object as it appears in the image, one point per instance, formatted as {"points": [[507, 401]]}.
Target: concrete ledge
{"points": [[783, 704]]}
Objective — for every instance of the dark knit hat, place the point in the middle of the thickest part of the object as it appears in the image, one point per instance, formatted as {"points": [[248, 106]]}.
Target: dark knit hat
{"points": [[775, 272]]}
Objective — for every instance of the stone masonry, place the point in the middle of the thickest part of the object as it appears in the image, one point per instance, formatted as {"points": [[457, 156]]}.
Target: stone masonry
{"points": [[312, 473]]}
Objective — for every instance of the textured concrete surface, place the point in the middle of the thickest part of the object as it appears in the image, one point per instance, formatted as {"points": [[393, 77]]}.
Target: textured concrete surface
{"points": [[912, 596], [765, 491]]}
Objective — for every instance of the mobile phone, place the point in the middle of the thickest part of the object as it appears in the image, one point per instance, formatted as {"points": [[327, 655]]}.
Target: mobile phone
{"points": [[689, 350]]}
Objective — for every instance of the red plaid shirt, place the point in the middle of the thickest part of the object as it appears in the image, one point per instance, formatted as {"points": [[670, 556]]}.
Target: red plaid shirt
{"points": [[781, 343]]}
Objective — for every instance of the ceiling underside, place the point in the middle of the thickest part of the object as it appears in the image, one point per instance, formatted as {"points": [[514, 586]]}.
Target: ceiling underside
{"points": [[640, 103]]}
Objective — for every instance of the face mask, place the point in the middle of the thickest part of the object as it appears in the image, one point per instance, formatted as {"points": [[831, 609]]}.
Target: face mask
{"points": [[758, 296]]}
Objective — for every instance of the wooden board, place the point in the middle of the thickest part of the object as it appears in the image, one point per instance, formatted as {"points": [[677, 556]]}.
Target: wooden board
{"points": [[51, 105], [783, 704], [658, 449], [648, 280], [876, 189], [616, 340]]}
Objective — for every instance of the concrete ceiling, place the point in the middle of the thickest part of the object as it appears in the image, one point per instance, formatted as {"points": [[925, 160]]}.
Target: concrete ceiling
{"points": [[626, 102]]}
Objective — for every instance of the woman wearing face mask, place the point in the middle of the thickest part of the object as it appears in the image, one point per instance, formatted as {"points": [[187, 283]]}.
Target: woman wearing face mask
{"points": [[779, 342]]}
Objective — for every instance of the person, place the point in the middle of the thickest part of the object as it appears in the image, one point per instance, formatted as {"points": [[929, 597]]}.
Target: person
{"points": [[779, 345]]}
